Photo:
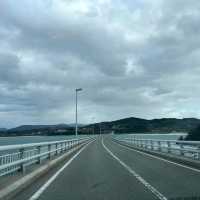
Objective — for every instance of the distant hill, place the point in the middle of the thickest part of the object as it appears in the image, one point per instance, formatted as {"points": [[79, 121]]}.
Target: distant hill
{"points": [[74, 125], [3, 129], [127, 125], [38, 127], [58, 129], [137, 125]]}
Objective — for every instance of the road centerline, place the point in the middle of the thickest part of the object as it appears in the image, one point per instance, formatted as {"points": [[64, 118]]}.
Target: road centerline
{"points": [[137, 176]]}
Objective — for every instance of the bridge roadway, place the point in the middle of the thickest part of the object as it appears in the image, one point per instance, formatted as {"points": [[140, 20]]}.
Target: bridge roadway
{"points": [[105, 170]]}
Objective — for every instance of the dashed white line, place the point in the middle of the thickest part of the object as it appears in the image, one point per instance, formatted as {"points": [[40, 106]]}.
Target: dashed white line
{"points": [[137, 176], [162, 159], [39, 192]]}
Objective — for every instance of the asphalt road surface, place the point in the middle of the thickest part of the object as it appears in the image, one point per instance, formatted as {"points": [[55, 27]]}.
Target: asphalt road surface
{"points": [[106, 170]]}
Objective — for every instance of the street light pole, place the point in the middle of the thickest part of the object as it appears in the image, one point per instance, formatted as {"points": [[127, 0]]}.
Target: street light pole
{"points": [[77, 90]]}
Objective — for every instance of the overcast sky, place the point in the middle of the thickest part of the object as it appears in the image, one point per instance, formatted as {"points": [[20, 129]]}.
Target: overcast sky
{"points": [[131, 57]]}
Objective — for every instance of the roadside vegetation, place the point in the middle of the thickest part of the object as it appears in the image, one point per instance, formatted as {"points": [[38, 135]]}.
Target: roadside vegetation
{"points": [[194, 134]]}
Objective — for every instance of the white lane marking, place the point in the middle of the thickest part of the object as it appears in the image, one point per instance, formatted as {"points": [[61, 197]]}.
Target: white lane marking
{"points": [[137, 176], [38, 193], [165, 160]]}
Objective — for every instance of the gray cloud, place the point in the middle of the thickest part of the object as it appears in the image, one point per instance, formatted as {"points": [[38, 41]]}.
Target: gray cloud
{"points": [[133, 58]]}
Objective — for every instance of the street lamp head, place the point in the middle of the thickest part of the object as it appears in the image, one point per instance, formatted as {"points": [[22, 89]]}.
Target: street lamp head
{"points": [[79, 89]]}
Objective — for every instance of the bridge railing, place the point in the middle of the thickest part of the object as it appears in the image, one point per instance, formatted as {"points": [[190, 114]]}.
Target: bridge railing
{"points": [[18, 157], [190, 149]]}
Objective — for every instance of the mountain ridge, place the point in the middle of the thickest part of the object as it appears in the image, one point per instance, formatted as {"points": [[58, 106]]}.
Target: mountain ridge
{"points": [[38, 127], [140, 125], [125, 125]]}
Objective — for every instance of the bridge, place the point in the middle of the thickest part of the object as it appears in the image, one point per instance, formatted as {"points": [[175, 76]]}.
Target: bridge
{"points": [[117, 168]]}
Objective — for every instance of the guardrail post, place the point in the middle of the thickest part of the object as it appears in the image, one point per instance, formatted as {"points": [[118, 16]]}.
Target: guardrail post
{"points": [[22, 156], [138, 143], [61, 147], [56, 149], [168, 147], [159, 146], [68, 145], [65, 146], [141, 143], [181, 149], [152, 145], [39, 152], [49, 150], [199, 152], [146, 144], [134, 140]]}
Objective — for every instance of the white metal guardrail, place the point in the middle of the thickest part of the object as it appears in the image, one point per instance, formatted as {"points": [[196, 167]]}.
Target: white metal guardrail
{"points": [[190, 149], [18, 157]]}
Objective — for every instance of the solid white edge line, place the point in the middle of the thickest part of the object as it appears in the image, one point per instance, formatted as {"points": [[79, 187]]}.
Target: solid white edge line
{"points": [[162, 159], [137, 176], [39, 192]]}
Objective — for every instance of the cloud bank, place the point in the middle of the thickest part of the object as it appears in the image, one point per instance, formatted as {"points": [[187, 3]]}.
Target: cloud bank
{"points": [[132, 58]]}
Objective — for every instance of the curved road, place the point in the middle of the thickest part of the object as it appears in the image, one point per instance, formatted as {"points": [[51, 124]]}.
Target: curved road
{"points": [[105, 170]]}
